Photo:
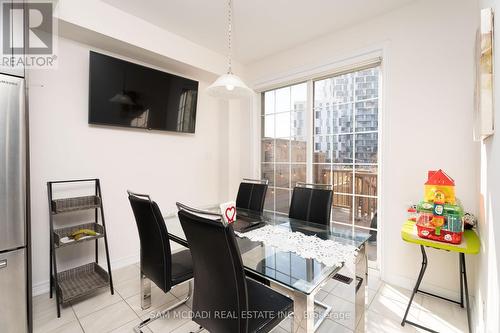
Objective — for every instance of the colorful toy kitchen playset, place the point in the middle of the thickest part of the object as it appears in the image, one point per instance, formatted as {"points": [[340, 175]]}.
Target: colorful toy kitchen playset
{"points": [[439, 215]]}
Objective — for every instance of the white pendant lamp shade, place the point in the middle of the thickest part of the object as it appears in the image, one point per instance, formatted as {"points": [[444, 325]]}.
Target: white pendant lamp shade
{"points": [[229, 86]]}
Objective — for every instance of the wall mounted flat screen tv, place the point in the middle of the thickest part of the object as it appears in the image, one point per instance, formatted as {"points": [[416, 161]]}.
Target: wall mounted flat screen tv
{"points": [[129, 95]]}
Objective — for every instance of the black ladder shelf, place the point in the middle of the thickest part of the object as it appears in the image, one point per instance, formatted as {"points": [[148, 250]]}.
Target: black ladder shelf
{"points": [[82, 280]]}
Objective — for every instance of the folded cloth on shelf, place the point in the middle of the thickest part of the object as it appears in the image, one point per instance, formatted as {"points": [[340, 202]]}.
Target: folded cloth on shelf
{"points": [[328, 252]]}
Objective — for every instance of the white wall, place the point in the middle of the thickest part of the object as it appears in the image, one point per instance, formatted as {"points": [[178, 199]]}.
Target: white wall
{"points": [[170, 166], [488, 283], [427, 116], [239, 143], [111, 22]]}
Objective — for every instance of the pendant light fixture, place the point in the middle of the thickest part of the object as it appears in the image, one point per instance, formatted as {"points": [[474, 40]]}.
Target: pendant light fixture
{"points": [[229, 86]]}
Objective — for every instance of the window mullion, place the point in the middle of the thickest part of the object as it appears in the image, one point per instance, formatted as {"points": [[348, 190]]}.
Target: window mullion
{"points": [[290, 185], [353, 150], [309, 125], [275, 151]]}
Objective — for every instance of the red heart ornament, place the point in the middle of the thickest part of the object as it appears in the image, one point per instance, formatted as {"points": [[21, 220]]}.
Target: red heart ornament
{"points": [[230, 213]]}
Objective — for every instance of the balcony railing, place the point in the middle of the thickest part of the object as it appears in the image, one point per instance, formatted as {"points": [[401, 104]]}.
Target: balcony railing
{"points": [[365, 183]]}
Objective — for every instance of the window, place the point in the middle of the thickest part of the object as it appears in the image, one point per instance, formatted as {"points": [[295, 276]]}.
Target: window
{"points": [[343, 139], [346, 146], [283, 160]]}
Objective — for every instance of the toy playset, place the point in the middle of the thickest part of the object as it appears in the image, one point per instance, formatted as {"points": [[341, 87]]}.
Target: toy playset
{"points": [[439, 216]]}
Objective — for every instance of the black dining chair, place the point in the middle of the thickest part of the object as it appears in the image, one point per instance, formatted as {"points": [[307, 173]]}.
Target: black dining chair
{"points": [[220, 283], [252, 194], [158, 263], [312, 203]]}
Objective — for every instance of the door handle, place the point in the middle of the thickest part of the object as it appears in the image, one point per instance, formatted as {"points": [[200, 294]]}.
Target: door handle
{"points": [[3, 263]]}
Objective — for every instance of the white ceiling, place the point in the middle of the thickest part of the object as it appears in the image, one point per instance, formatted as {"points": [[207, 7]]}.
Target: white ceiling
{"points": [[260, 27]]}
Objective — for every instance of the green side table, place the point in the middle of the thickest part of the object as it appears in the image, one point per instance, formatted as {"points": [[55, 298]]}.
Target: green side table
{"points": [[470, 245]]}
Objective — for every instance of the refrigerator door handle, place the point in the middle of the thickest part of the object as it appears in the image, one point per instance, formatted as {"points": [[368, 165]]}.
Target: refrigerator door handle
{"points": [[3, 263]]}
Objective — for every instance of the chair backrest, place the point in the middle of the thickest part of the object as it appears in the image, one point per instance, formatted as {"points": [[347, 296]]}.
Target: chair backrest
{"points": [[219, 278], [252, 194], [312, 203], [156, 262]]}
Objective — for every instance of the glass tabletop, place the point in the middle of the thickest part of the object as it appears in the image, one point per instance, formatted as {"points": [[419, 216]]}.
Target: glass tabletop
{"points": [[283, 267]]}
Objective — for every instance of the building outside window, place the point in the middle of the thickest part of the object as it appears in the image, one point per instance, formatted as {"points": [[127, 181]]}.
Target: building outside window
{"points": [[344, 137]]}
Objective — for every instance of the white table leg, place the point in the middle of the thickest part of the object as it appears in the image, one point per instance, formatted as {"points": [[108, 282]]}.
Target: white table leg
{"points": [[303, 313], [350, 313], [361, 294]]}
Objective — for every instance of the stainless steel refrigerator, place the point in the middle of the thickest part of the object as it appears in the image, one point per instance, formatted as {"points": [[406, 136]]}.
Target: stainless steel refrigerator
{"points": [[15, 289]]}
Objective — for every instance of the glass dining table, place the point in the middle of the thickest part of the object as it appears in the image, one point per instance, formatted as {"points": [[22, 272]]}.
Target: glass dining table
{"points": [[302, 278]]}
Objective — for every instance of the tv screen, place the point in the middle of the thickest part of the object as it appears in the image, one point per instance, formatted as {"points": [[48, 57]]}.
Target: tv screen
{"points": [[129, 95]]}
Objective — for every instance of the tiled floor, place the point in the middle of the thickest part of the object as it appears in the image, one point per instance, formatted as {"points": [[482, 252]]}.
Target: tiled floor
{"points": [[121, 312]]}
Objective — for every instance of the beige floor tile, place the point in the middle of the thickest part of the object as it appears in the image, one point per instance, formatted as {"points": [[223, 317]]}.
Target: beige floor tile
{"points": [[279, 329], [399, 294], [129, 327], [393, 310], [188, 327], [126, 273], [128, 288], [374, 281], [180, 291], [443, 316], [105, 313], [109, 318], [159, 301], [330, 285], [45, 314], [329, 326], [286, 324], [345, 291], [71, 327], [374, 272], [371, 296], [343, 312], [94, 302], [376, 323], [320, 295], [170, 322]]}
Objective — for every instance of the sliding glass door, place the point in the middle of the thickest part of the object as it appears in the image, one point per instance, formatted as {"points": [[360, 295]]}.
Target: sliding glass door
{"points": [[283, 143], [345, 152], [342, 112]]}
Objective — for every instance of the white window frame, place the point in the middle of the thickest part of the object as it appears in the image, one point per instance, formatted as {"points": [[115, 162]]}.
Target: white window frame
{"points": [[364, 58], [353, 195]]}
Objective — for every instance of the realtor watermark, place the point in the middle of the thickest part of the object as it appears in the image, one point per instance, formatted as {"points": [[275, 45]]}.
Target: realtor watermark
{"points": [[28, 34], [188, 314]]}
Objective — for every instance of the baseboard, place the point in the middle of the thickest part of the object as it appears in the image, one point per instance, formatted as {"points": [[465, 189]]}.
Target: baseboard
{"points": [[122, 262], [43, 287], [40, 288], [407, 283]]}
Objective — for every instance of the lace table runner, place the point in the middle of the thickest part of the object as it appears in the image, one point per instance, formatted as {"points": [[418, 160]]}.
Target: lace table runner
{"points": [[328, 252]]}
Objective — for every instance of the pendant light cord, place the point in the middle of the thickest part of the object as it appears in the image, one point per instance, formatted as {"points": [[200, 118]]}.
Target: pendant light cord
{"points": [[229, 32]]}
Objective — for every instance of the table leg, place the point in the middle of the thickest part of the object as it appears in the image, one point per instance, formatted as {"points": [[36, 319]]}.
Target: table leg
{"points": [[303, 313], [305, 320], [464, 274], [417, 285], [463, 289], [461, 282], [360, 290]]}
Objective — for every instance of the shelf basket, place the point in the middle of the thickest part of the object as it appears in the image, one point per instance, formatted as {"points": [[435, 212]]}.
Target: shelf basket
{"points": [[65, 232], [81, 281], [74, 204]]}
